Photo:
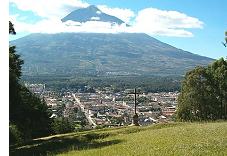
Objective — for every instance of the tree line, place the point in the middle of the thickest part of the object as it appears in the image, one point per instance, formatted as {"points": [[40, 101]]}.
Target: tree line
{"points": [[117, 83]]}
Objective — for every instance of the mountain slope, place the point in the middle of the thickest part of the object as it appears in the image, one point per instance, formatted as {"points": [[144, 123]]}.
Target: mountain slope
{"points": [[161, 140], [103, 54], [91, 13]]}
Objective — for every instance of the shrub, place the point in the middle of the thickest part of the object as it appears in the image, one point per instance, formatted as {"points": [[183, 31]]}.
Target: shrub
{"points": [[15, 136]]}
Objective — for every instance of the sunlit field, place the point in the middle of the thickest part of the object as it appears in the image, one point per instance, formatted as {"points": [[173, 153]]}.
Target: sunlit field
{"points": [[162, 139]]}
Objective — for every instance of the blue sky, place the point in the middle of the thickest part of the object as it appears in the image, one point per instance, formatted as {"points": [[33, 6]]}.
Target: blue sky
{"points": [[197, 26]]}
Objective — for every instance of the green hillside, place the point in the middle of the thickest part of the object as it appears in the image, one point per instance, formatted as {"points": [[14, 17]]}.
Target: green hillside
{"points": [[74, 54], [162, 139]]}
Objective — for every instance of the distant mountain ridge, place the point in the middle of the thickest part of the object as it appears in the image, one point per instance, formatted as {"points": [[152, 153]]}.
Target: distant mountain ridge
{"points": [[91, 13], [103, 54]]}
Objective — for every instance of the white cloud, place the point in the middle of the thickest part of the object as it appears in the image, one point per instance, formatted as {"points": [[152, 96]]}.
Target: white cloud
{"points": [[124, 14], [18, 25], [98, 12], [150, 20], [49, 8], [95, 18], [168, 23], [56, 26]]}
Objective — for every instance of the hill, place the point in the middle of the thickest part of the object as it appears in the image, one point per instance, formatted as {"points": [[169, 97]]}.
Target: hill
{"points": [[162, 139], [71, 54]]}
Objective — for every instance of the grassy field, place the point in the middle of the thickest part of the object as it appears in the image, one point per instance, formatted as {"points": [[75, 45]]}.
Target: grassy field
{"points": [[162, 139]]}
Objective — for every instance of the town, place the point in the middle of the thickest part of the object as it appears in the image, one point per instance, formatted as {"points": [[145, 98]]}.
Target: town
{"points": [[105, 108]]}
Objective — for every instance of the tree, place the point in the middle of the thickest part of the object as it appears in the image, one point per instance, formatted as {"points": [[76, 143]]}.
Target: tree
{"points": [[226, 37], [11, 28], [62, 125], [28, 115], [225, 43], [204, 93], [15, 64], [218, 71]]}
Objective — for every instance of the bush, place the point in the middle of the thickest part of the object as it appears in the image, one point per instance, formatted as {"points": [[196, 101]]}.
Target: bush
{"points": [[15, 136], [61, 125]]}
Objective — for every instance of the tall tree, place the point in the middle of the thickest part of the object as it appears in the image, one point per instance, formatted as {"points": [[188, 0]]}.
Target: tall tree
{"points": [[15, 65], [26, 111], [204, 92], [218, 71]]}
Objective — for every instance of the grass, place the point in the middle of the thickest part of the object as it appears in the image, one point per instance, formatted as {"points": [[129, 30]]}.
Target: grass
{"points": [[162, 139]]}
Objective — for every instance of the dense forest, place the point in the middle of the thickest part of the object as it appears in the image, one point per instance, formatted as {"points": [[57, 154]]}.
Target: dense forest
{"points": [[117, 83]]}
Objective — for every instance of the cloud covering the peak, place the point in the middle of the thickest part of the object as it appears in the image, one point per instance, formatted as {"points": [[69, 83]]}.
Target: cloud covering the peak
{"points": [[151, 21]]}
